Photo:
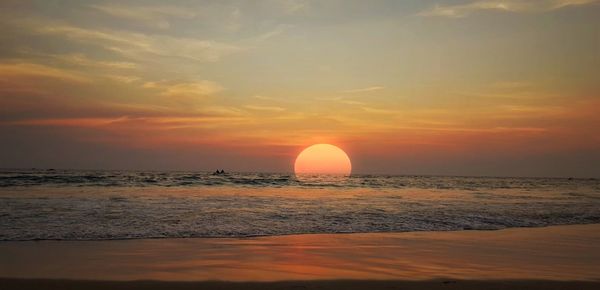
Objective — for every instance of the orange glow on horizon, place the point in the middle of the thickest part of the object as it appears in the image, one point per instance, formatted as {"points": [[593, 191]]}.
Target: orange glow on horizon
{"points": [[323, 159]]}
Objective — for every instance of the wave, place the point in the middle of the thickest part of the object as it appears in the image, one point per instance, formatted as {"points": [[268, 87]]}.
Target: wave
{"points": [[79, 178], [106, 205]]}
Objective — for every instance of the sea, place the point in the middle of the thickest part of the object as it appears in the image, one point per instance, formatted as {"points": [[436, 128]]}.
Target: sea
{"points": [[41, 204]]}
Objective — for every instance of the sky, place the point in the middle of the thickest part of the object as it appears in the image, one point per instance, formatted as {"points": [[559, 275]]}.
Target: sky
{"points": [[470, 87]]}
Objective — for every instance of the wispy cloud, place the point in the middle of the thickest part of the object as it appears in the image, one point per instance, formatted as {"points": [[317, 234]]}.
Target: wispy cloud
{"points": [[464, 10], [82, 65], [185, 89], [135, 45], [265, 108], [163, 122], [380, 111], [293, 6], [261, 97], [364, 90], [273, 33], [22, 69], [351, 102], [80, 59], [340, 100], [564, 3], [508, 85], [153, 16], [123, 78], [69, 122]]}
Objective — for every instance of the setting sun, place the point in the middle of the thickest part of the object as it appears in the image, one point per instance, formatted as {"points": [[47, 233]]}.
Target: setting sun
{"points": [[323, 159]]}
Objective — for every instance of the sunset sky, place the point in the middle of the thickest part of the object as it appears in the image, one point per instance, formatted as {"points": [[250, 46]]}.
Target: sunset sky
{"points": [[509, 88]]}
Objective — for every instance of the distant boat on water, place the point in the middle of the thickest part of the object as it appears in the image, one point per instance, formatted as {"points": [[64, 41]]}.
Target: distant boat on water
{"points": [[219, 172]]}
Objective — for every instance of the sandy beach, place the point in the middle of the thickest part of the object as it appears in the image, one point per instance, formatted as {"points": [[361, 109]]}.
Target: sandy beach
{"points": [[559, 257]]}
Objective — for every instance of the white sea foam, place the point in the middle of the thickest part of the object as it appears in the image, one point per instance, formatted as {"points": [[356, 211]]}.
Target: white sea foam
{"points": [[76, 205]]}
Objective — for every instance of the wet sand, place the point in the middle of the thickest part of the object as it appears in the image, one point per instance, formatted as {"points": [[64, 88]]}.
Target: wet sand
{"points": [[505, 259]]}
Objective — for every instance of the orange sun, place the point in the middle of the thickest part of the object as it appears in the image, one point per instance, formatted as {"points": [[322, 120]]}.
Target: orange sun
{"points": [[323, 159]]}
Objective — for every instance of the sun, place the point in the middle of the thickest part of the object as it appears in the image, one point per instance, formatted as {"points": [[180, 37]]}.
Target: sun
{"points": [[323, 159]]}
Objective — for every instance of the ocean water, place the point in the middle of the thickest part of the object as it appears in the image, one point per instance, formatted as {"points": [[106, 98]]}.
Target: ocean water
{"points": [[99, 205]]}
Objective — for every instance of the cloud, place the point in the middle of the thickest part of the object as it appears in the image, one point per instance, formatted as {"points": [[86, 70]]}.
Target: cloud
{"points": [[265, 108], [113, 70], [352, 102], [380, 111], [459, 11], [185, 89], [293, 6], [511, 85], [464, 10], [23, 69], [136, 45], [261, 97], [340, 100], [279, 29], [123, 78], [80, 59], [153, 16], [363, 90], [137, 123], [68, 122], [557, 4]]}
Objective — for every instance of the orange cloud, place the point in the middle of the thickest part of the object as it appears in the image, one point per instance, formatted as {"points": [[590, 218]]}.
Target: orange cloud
{"points": [[32, 70]]}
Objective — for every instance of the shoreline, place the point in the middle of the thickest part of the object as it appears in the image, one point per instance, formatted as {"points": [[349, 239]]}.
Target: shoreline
{"points": [[295, 234], [559, 253], [123, 213]]}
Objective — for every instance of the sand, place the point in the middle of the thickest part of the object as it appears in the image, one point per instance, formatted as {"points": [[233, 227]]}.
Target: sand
{"points": [[559, 257]]}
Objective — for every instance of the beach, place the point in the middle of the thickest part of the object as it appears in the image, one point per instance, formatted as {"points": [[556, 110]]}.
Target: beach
{"points": [[557, 257], [77, 229]]}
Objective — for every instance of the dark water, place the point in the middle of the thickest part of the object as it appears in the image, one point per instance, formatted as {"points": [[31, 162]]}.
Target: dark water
{"points": [[78, 178], [91, 205]]}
